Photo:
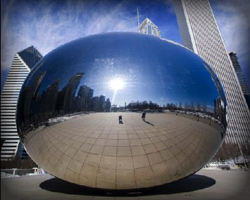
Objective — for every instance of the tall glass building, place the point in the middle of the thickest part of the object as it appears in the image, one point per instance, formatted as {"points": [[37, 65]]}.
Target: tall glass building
{"points": [[200, 33], [20, 68], [240, 76]]}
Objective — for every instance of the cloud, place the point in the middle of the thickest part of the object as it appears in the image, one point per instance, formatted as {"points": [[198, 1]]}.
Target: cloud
{"points": [[49, 24], [233, 21]]}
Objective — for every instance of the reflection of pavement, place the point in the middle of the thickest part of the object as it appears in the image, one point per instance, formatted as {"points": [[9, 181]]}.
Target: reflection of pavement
{"points": [[205, 185], [97, 151], [208, 121]]}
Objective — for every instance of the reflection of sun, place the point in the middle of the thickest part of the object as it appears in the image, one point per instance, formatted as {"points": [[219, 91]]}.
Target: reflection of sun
{"points": [[116, 84]]}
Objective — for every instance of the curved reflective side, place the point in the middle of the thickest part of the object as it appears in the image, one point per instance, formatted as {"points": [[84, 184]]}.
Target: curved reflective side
{"points": [[79, 111]]}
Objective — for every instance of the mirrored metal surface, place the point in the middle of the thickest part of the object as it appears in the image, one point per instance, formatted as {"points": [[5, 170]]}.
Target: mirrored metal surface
{"points": [[121, 111]]}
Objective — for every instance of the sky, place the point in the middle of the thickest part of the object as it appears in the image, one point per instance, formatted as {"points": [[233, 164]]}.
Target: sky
{"points": [[47, 24]]}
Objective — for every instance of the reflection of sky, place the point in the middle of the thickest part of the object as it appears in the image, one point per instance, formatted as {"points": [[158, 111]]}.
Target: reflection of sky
{"points": [[152, 69]]}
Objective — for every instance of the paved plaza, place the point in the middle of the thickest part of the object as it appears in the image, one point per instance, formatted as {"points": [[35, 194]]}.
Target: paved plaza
{"points": [[99, 151], [204, 185]]}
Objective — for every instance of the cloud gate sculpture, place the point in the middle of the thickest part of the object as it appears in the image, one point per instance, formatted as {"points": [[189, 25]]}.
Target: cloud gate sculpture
{"points": [[80, 112]]}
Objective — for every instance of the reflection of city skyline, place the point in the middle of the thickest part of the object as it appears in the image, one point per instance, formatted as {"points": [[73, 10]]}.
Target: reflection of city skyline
{"points": [[37, 108], [192, 107], [130, 92], [72, 98]]}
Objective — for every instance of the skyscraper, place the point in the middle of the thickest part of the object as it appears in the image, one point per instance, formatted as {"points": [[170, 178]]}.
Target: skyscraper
{"points": [[148, 27], [22, 64], [240, 76], [200, 33]]}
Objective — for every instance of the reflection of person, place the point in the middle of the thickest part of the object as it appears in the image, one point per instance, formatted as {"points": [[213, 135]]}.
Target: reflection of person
{"points": [[120, 119], [143, 116]]}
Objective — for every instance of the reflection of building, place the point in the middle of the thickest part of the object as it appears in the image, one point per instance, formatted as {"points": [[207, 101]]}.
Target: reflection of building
{"points": [[85, 95], [38, 105], [96, 104], [219, 110], [50, 98], [68, 93], [22, 64], [200, 33], [148, 27], [108, 105], [240, 76], [32, 99], [100, 104]]}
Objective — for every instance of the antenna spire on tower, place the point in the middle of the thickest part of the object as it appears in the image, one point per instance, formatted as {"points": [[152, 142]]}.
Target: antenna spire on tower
{"points": [[138, 18]]}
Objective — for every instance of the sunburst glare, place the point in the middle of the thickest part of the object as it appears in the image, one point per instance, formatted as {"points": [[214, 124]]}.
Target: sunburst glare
{"points": [[117, 84]]}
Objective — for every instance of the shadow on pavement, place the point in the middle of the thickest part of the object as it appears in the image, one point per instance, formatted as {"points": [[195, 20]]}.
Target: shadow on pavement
{"points": [[149, 123], [189, 184]]}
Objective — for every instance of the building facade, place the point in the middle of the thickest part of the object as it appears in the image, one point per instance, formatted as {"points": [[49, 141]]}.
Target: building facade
{"points": [[240, 76], [200, 33], [148, 27], [20, 68]]}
